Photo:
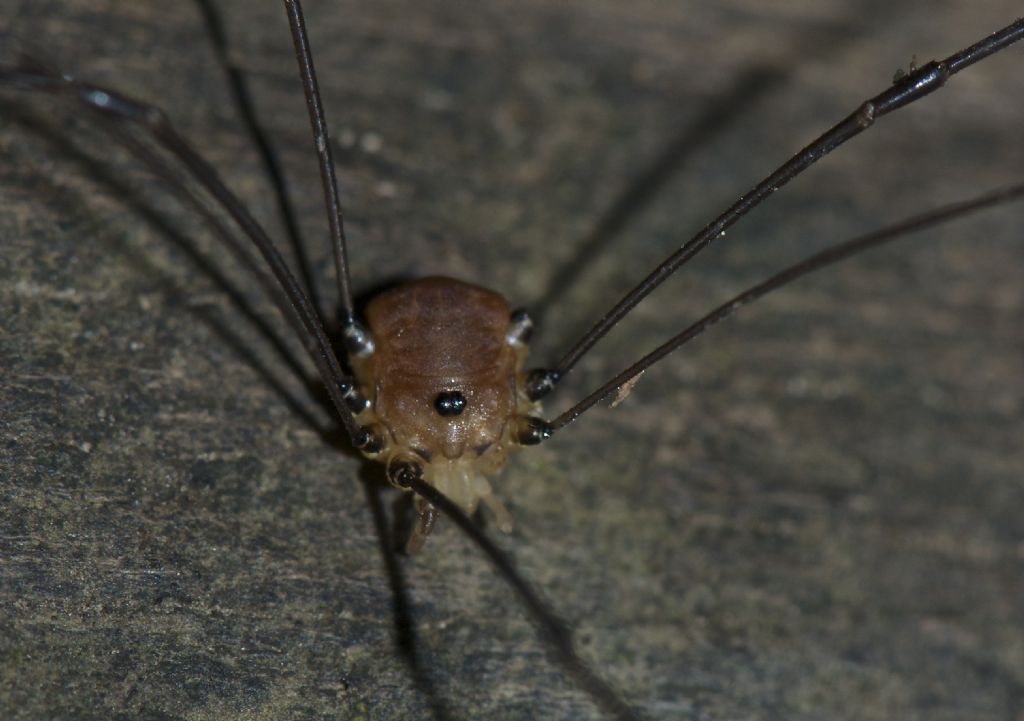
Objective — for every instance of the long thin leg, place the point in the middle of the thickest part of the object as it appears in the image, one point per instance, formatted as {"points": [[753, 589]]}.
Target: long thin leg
{"points": [[827, 257], [914, 86], [32, 76], [356, 340], [177, 187]]}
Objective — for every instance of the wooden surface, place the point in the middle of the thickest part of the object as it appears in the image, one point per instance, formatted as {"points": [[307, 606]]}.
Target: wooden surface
{"points": [[812, 512]]}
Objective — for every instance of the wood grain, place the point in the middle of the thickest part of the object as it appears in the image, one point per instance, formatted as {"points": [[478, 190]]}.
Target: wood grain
{"points": [[812, 512]]}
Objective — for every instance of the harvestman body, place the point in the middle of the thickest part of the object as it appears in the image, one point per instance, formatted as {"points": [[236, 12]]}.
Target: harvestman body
{"points": [[444, 372], [438, 391]]}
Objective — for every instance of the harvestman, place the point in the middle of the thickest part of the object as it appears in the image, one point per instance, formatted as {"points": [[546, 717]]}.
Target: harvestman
{"points": [[441, 399]]}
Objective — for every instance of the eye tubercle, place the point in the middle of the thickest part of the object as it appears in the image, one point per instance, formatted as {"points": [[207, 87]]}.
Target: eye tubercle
{"points": [[449, 403]]}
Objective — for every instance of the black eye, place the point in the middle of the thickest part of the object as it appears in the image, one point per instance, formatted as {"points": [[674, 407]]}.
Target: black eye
{"points": [[450, 403]]}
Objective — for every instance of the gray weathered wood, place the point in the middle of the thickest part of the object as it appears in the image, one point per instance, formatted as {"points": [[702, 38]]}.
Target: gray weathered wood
{"points": [[813, 512]]}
